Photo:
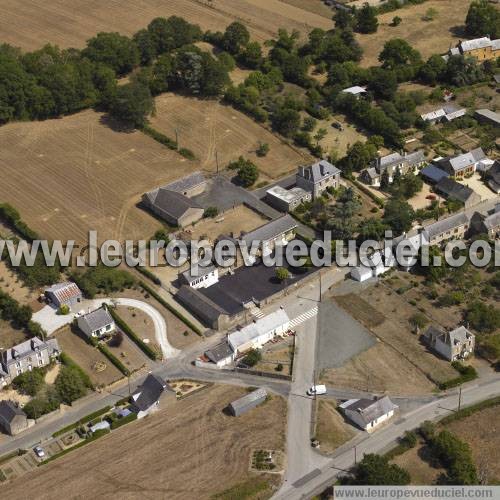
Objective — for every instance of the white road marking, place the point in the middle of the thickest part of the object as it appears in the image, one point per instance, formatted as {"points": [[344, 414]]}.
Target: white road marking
{"points": [[304, 317]]}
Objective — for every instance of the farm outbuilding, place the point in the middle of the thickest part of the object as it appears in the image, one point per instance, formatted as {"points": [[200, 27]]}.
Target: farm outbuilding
{"points": [[361, 273], [66, 293], [247, 402]]}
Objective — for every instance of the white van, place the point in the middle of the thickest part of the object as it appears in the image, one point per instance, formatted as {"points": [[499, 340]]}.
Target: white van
{"points": [[316, 390]]}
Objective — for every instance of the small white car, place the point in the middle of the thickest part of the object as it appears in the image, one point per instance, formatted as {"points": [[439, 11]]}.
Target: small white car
{"points": [[39, 451], [316, 390]]}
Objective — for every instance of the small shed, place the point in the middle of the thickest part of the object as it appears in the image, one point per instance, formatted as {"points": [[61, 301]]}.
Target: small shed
{"points": [[247, 402], [361, 273]]}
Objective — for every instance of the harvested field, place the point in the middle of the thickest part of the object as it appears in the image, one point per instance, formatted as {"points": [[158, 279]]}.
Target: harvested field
{"points": [[429, 37], [70, 24], [205, 461], [482, 433], [387, 315], [207, 127], [315, 6], [74, 174], [98, 367], [418, 462], [380, 369], [331, 429]]}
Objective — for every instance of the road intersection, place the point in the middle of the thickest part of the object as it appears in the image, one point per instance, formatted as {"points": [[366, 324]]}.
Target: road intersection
{"points": [[308, 472]]}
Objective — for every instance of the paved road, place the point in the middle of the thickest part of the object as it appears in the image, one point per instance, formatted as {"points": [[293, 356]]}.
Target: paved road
{"points": [[383, 439]]}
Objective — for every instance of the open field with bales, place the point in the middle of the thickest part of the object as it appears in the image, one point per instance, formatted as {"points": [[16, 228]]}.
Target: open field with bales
{"points": [[207, 127], [203, 438], [70, 24], [427, 36], [74, 174]]}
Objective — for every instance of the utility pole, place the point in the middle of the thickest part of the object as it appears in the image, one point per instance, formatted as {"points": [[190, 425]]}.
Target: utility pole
{"points": [[459, 397], [177, 137], [355, 456], [128, 379], [217, 160]]}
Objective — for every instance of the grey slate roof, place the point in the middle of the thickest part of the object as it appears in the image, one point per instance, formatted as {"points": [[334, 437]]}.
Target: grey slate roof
{"points": [[170, 202], [219, 352], [97, 319], [490, 115], [464, 160], [9, 411], [319, 171], [26, 348], [442, 226], [149, 392], [249, 398], [454, 189], [492, 221], [433, 173], [371, 409], [270, 230], [200, 303], [186, 183]]}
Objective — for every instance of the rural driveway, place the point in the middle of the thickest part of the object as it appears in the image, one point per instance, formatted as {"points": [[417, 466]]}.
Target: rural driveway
{"points": [[51, 321]]}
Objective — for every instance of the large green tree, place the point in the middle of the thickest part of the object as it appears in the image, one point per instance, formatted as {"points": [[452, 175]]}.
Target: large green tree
{"points": [[235, 38], [133, 104], [376, 470], [399, 215], [483, 18], [366, 19]]}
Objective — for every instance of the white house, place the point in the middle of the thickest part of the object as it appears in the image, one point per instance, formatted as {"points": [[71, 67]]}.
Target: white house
{"points": [[369, 413], [261, 331], [356, 91], [200, 277], [221, 355], [378, 266], [97, 323], [455, 345]]}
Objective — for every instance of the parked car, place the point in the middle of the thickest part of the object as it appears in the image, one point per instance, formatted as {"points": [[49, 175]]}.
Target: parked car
{"points": [[316, 390], [39, 451]]}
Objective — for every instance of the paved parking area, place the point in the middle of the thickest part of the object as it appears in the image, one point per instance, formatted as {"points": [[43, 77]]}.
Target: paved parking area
{"points": [[340, 338]]}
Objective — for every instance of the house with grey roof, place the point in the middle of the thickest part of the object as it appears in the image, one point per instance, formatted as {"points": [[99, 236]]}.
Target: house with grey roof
{"points": [[175, 208], [455, 345], [487, 223], [200, 276], [205, 309], [97, 324], [66, 293], [13, 420], [221, 355], [461, 165], [316, 178], [286, 200], [146, 398], [492, 177], [369, 414], [487, 117], [453, 190], [279, 231], [453, 227], [389, 164], [32, 353], [191, 185], [259, 332], [247, 402]]}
